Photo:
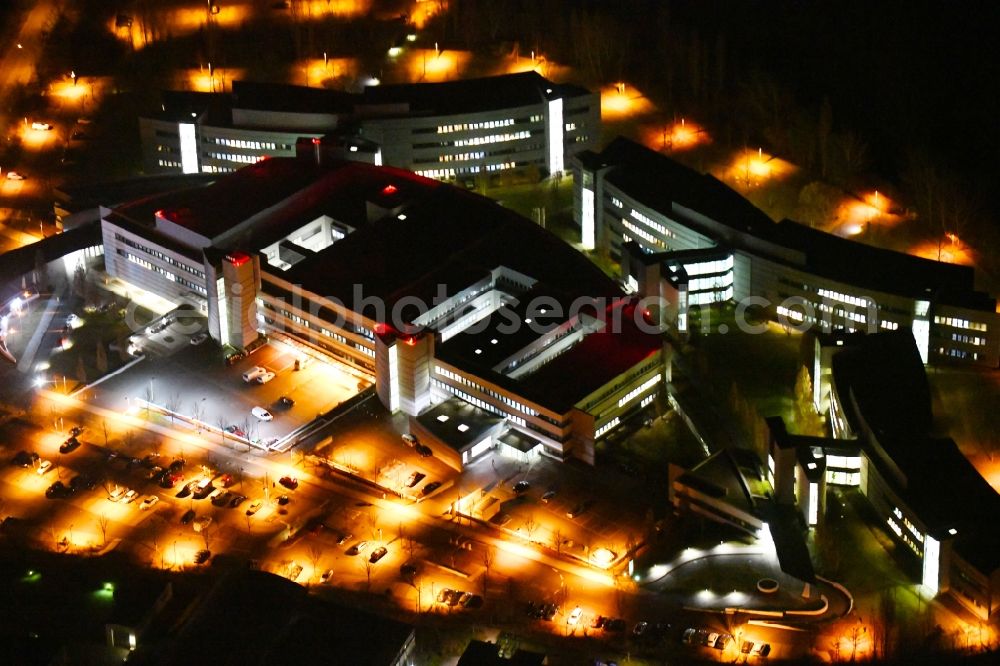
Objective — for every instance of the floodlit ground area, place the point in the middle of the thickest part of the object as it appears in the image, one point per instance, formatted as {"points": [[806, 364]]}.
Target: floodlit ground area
{"points": [[965, 402], [194, 382]]}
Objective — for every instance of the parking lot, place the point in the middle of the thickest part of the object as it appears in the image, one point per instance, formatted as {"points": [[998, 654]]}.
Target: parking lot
{"points": [[195, 383]]}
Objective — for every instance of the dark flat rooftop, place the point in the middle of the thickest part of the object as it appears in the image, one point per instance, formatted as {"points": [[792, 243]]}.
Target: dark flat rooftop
{"points": [[468, 95], [449, 237], [888, 380], [659, 182], [592, 363], [290, 98], [447, 419], [875, 268]]}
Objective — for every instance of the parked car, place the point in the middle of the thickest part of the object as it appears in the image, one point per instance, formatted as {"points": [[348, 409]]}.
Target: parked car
{"points": [[44, 127], [187, 517], [473, 601], [254, 507], [574, 617], [414, 479], [225, 480], [761, 650], [148, 502], [235, 430], [410, 440], [43, 466], [236, 500], [283, 500], [615, 626], [286, 402], [176, 465], [578, 509], [253, 373], [357, 548], [294, 571], [407, 570], [424, 451], [202, 556], [198, 339], [344, 538], [130, 496], [219, 497], [70, 445], [25, 458], [378, 554], [13, 175], [521, 487], [202, 523], [265, 378], [58, 491], [547, 497], [640, 628], [327, 575], [289, 482], [76, 431], [431, 487], [261, 413]]}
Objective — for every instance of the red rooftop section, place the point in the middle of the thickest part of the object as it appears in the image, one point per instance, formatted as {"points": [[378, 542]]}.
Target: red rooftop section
{"points": [[595, 361]]}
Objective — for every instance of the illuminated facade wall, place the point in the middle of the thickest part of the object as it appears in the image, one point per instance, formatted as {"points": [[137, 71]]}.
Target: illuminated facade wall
{"points": [[762, 268]]}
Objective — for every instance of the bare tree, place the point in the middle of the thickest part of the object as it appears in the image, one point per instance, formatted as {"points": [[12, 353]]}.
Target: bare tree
{"points": [[315, 553], [221, 422], [531, 526], [373, 519], [128, 440], [369, 567], [104, 428], [557, 539], [489, 555], [173, 404], [102, 523], [197, 412]]}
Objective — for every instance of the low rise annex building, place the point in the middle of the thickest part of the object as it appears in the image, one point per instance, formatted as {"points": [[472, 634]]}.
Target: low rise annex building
{"points": [[451, 131], [432, 291], [929, 498], [689, 240]]}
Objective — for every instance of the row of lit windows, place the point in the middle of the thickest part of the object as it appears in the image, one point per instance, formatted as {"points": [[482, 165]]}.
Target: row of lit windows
{"points": [[492, 138], [482, 404], [840, 312], [706, 297], [958, 353], [655, 226], [968, 339], [843, 478], [570, 127], [461, 157], [165, 273], [794, 315], [250, 145], [209, 168], [159, 255], [170, 164], [616, 201], [465, 127], [717, 282], [606, 427], [437, 173], [455, 377], [241, 159], [843, 462], [888, 325], [360, 330], [707, 267], [857, 301], [634, 393], [641, 233], [954, 322]]}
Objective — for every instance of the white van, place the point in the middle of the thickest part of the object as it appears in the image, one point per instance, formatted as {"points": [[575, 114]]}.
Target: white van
{"points": [[253, 373]]}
